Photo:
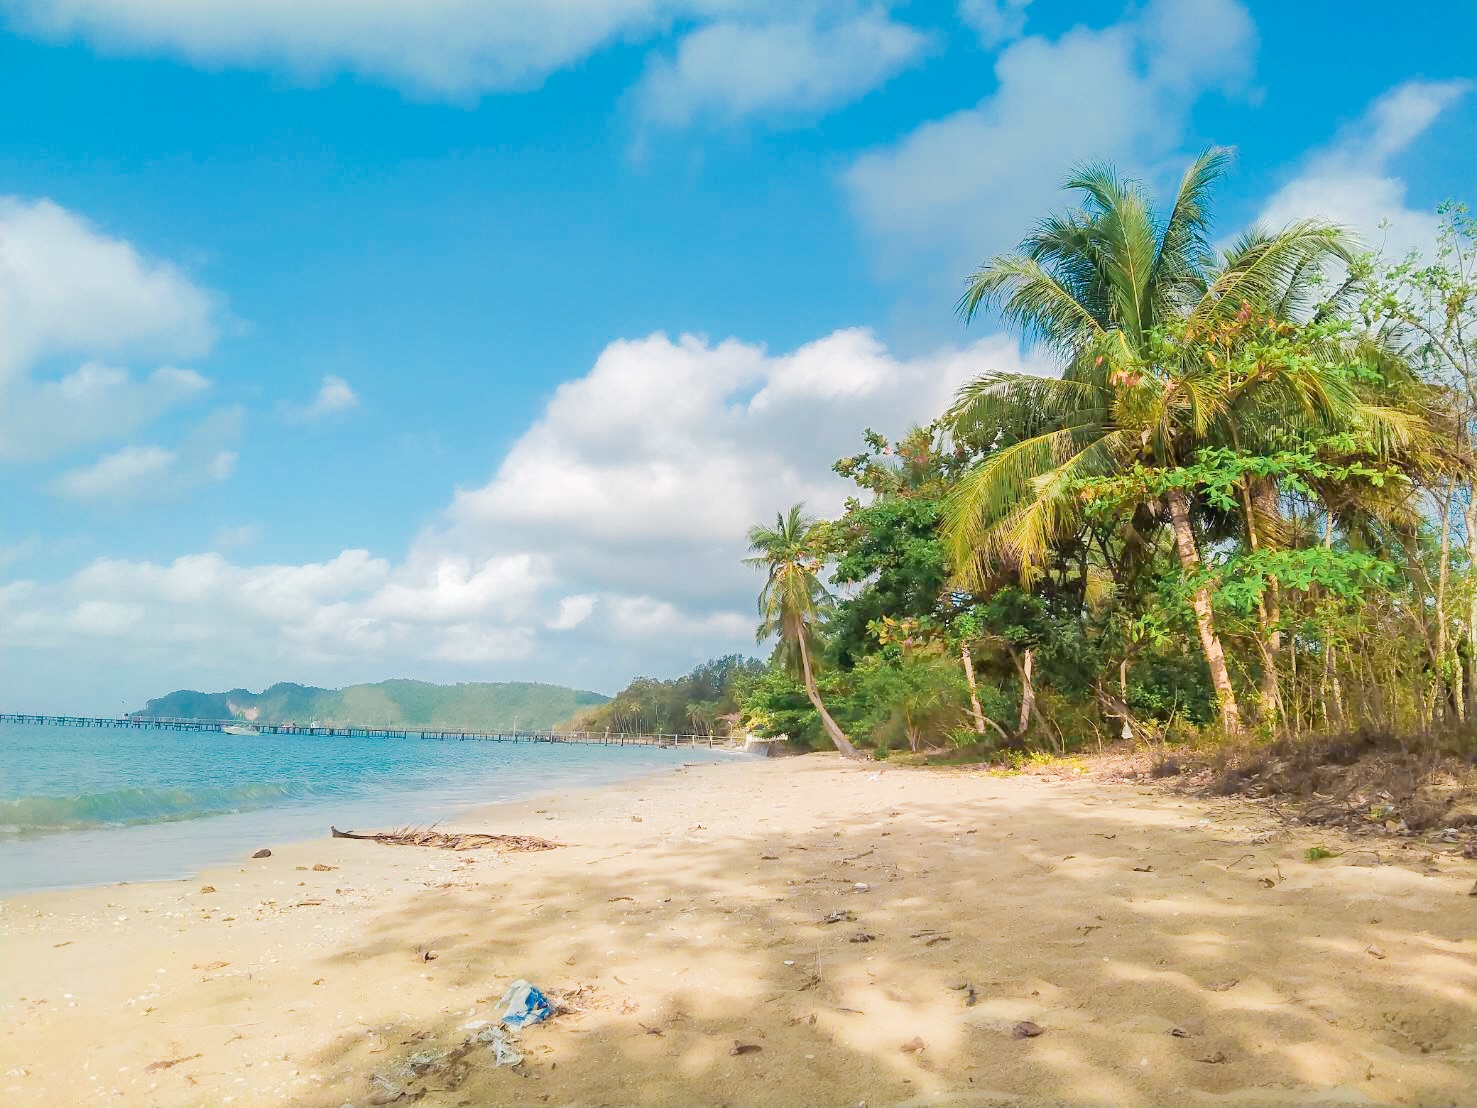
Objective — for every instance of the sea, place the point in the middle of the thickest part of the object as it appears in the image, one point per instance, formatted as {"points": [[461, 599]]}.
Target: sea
{"points": [[97, 805]]}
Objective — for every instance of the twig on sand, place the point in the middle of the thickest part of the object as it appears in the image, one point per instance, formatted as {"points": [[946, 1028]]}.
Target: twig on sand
{"points": [[411, 836]]}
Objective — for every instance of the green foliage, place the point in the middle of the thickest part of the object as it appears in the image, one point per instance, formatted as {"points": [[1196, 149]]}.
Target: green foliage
{"points": [[774, 703], [1247, 502], [701, 703]]}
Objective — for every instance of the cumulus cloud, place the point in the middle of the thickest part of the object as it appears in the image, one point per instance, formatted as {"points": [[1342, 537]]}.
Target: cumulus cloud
{"points": [[68, 289], [731, 69], [462, 48], [958, 189], [606, 543], [94, 403], [152, 473], [334, 395], [995, 21], [573, 610], [1350, 182]]}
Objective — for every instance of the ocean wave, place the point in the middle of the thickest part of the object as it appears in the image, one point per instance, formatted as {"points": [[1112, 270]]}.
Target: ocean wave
{"points": [[33, 815]]}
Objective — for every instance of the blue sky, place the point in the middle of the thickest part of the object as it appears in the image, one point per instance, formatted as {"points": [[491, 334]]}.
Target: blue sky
{"points": [[462, 341]]}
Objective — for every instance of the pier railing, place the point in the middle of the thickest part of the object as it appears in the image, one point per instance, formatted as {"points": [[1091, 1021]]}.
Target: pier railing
{"points": [[496, 734]]}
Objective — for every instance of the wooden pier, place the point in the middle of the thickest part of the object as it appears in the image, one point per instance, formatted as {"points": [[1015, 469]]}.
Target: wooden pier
{"points": [[497, 734]]}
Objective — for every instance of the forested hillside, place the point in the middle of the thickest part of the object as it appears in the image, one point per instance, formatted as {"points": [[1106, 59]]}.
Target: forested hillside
{"points": [[396, 703]]}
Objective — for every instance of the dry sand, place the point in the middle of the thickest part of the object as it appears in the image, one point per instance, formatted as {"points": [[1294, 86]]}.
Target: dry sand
{"points": [[1172, 951]]}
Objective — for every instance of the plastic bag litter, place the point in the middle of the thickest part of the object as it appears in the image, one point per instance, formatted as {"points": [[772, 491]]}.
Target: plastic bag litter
{"points": [[503, 1051], [523, 1005]]}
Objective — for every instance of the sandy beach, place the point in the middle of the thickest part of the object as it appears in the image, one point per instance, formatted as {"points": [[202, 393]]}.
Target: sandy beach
{"points": [[1168, 950]]}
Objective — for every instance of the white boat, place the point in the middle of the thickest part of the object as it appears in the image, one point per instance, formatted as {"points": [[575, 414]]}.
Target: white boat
{"points": [[237, 729]]}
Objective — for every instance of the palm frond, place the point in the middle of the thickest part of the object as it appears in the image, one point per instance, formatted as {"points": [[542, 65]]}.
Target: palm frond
{"points": [[1032, 298]]}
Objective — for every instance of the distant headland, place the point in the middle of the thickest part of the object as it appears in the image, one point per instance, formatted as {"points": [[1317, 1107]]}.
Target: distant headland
{"points": [[394, 703]]}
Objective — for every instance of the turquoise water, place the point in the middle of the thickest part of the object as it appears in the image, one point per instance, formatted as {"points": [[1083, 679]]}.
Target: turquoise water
{"points": [[89, 805]]}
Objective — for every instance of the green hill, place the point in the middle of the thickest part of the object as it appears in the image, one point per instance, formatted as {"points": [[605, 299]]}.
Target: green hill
{"points": [[397, 703]]}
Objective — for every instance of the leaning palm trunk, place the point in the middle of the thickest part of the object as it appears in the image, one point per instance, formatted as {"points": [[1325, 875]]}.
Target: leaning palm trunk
{"points": [[974, 694], [1028, 691], [833, 729], [1210, 643]]}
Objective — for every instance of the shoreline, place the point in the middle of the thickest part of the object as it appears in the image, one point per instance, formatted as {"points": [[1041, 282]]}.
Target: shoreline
{"points": [[238, 833], [685, 914]]}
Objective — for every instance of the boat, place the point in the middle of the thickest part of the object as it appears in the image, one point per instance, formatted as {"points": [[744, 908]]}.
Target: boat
{"points": [[237, 729]]}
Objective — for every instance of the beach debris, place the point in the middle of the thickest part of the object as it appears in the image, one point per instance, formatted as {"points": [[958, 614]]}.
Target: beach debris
{"points": [[170, 1063], [319, 867], [650, 1030], [385, 1091], [503, 1050], [1179, 1032], [861, 937], [425, 955], [1223, 986], [1026, 1030], [745, 1048], [861, 886], [915, 1045], [262, 853], [1473, 891], [971, 998], [931, 937], [208, 966], [58, 946], [523, 1005], [207, 888], [1374, 951], [840, 915], [412, 836], [1143, 869], [1214, 1058]]}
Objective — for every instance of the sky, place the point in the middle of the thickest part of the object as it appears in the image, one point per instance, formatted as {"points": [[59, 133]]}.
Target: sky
{"points": [[352, 339]]}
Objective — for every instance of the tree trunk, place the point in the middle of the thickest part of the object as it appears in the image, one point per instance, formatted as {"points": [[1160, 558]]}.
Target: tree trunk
{"points": [[1471, 521], [974, 695], [837, 735], [1210, 642], [1268, 607], [1449, 663], [1028, 691]]}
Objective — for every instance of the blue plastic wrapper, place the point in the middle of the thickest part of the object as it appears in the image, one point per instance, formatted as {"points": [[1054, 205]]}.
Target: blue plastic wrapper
{"points": [[523, 1005]]}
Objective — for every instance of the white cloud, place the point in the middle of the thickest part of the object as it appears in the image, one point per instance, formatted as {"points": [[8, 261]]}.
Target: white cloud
{"points": [[459, 49], [69, 290], [1350, 182], [995, 21], [151, 473], [959, 189], [732, 69], [606, 543], [95, 403], [126, 472], [229, 538], [334, 395], [573, 610]]}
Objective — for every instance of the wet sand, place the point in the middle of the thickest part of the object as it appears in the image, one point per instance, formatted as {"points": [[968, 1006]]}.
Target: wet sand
{"points": [[1169, 950]]}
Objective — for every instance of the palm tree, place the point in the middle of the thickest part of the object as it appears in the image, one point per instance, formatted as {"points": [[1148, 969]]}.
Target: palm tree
{"points": [[1098, 287], [793, 602]]}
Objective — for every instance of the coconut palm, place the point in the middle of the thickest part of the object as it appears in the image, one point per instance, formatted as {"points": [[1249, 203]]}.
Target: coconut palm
{"points": [[1100, 287], [793, 602]]}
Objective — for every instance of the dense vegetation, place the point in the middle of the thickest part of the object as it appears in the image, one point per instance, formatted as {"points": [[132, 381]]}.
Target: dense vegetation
{"points": [[1245, 507], [386, 704], [704, 702]]}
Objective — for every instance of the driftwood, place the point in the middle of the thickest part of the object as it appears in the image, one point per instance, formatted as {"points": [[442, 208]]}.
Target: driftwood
{"points": [[412, 836]]}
